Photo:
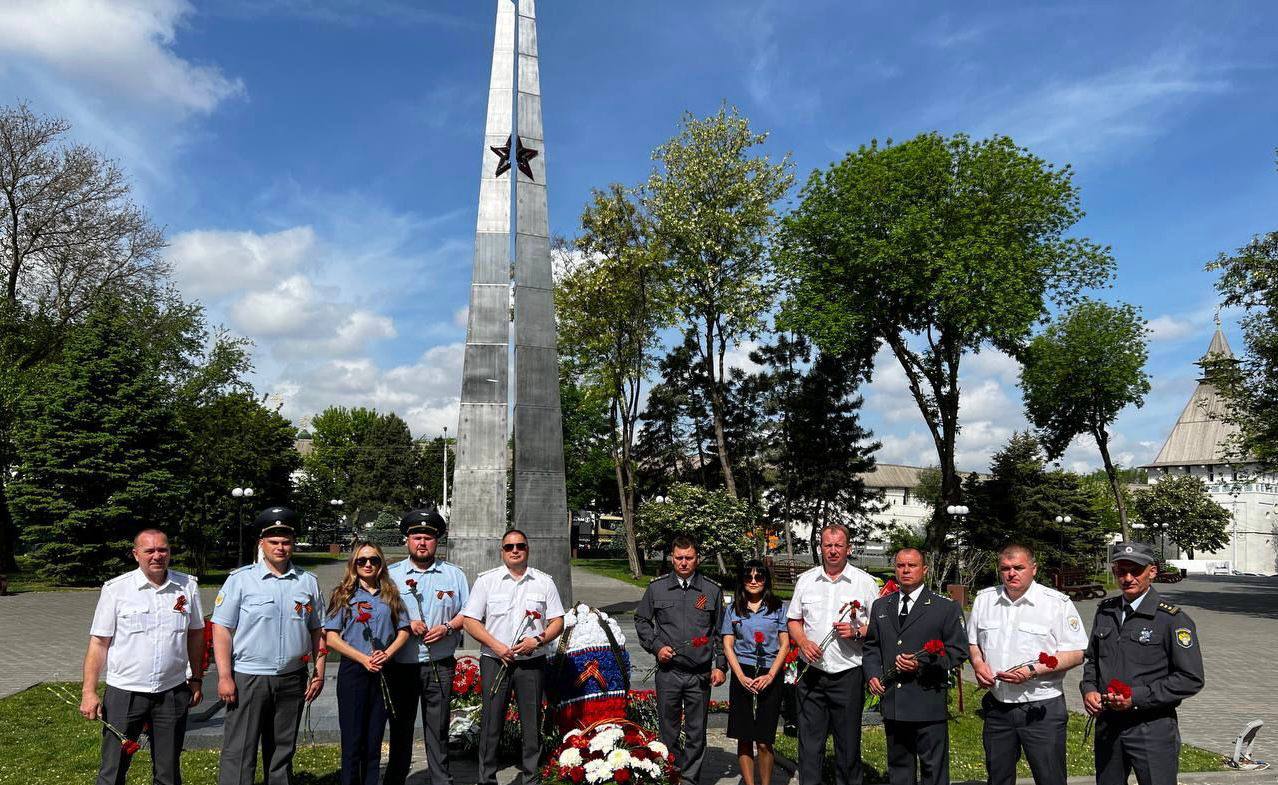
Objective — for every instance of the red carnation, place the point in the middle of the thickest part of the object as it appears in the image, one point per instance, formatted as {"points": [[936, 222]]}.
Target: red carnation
{"points": [[580, 742], [699, 642], [577, 774], [758, 637], [412, 584], [130, 746], [934, 647], [534, 615], [364, 617], [621, 775], [1047, 659], [306, 658], [1119, 688]]}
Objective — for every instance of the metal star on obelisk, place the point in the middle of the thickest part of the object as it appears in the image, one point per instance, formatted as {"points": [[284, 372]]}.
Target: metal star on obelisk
{"points": [[522, 157]]}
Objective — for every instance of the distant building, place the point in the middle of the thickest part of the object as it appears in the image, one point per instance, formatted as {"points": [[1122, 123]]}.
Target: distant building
{"points": [[1198, 445], [901, 505]]}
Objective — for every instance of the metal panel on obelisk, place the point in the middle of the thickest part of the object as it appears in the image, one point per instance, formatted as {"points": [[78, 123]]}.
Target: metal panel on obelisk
{"points": [[514, 167]]}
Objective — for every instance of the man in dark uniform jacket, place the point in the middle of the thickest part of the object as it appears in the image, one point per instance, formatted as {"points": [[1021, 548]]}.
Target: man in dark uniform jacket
{"points": [[914, 687], [1152, 648], [676, 610]]}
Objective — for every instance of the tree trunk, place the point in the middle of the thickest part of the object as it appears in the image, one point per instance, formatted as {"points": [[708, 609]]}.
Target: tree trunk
{"points": [[8, 532], [625, 490], [1102, 441], [716, 413]]}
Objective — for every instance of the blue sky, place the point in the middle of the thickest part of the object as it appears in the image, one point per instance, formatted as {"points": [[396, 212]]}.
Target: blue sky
{"points": [[315, 162]]}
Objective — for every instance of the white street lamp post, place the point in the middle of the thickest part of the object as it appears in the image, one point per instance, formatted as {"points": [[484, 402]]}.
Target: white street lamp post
{"points": [[240, 495]]}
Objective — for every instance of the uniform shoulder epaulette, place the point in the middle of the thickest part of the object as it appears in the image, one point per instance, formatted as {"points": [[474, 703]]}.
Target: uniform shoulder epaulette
{"points": [[182, 577], [116, 579], [241, 569], [1048, 591], [1111, 602], [987, 590], [485, 572], [940, 596], [659, 577], [711, 582], [1167, 607]]}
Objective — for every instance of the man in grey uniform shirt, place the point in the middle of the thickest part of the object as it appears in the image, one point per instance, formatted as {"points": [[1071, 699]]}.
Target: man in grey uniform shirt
{"points": [[678, 622]]}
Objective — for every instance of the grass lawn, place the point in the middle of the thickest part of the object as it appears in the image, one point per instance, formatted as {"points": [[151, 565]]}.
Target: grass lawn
{"points": [[26, 579], [46, 742], [967, 754]]}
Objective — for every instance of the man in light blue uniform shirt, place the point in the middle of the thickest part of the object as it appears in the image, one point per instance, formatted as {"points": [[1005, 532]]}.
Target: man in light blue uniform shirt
{"points": [[434, 592], [267, 618]]}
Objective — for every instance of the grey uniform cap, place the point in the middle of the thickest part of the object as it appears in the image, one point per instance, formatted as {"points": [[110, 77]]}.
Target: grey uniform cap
{"points": [[1136, 552]]}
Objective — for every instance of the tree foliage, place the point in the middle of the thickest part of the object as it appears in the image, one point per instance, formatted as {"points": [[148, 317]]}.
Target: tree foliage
{"points": [[935, 247], [1249, 280], [1080, 373], [721, 524], [712, 202], [1195, 522]]}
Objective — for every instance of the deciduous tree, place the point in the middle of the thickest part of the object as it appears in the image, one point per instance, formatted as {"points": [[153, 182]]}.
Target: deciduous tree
{"points": [[1195, 522]]}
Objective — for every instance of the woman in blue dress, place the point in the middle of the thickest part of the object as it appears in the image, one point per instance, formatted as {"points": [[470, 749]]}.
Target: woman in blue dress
{"points": [[366, 623], [755, 641]]}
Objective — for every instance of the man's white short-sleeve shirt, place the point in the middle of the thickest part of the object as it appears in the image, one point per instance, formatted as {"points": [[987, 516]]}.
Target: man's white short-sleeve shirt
{"points": [[506, 604], [147, 626], [1010, 633], [820, 602]]}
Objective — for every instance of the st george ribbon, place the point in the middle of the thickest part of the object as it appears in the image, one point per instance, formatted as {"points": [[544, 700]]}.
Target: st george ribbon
{"points": [[512, 195]]}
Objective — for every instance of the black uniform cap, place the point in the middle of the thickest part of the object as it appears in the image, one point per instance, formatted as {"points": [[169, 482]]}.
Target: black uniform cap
{"points": [[276, 522], [423, 522], [1135, 552]]}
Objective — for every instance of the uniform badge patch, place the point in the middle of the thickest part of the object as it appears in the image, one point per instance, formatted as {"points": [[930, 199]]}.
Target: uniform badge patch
{"points": [[702, 601], [220, 598], [1185, 638], [1073, 623], [1146, 635]]}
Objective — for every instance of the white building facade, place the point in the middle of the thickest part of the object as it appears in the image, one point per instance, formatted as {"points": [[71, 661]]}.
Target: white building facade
{"points": [[1198, 445]]}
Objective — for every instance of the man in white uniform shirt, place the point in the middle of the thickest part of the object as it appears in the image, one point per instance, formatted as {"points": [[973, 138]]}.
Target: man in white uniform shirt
{"points": [[830, 695], [1013, 624], [514, 611], [148, 631]]}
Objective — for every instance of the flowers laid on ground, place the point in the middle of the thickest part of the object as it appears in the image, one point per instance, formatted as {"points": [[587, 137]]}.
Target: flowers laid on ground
{"points": [[524, 626], [679, 648], [610, 752], [792, 665], [129, 746], [463, 723], [934, 647], [851, 611]]}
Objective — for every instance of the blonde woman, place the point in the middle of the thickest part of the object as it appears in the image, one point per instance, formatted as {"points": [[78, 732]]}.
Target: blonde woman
{"points": [[366, 624]]}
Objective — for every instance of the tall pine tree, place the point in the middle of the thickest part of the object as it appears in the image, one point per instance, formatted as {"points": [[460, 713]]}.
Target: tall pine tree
{"points": [[97, 450]]}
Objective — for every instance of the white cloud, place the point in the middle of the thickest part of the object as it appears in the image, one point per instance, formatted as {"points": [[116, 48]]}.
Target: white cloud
{"points": [[211, 264], [123, 48], [769, 81], [1171, 328]]}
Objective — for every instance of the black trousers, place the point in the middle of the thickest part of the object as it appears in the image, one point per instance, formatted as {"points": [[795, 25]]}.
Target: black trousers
{"points": [[267, 709], [918, 753], [431, 686], [1150, 747], [524, 678], [683, 695], [830, 703], [128, 712], [1037, 727], [361, 715]]}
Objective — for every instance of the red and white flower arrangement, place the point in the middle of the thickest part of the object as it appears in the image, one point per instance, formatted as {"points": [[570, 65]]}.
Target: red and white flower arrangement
{"points": [[612, 751]]}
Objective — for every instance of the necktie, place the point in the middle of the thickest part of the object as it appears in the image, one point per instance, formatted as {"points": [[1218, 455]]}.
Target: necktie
{"points": [[1128, 610], [905, 608]]}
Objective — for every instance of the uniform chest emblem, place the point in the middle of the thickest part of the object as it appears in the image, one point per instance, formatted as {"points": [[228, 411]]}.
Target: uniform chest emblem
{"points": [[220, 599], [1146, 635], [1073, 623], [1184, 638], [701, 602]]}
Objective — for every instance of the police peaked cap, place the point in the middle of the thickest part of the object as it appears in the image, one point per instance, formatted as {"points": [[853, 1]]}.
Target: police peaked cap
{"points": [[423, 522], [276, 522], [1136, 552]]}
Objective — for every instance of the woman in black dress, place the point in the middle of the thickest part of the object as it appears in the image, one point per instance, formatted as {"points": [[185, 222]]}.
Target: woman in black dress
{"points": [[756, 642]]}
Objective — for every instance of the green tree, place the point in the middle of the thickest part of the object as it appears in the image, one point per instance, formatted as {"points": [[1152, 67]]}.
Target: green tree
{"points": [[721, 524], [676, 443], [1249, 280], [69, 236], [1080, 373], [934, 248], [430, 467], [1194, 521], [97, 444], [366, 459], [712, 203], [612, 301], [588, 457]]}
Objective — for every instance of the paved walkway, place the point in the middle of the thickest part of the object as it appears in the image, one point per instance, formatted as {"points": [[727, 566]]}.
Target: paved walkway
{"points": [[43, 635]]}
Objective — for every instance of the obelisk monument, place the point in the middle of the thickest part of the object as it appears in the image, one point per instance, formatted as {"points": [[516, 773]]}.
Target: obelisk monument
{"points": [[512, 219]]}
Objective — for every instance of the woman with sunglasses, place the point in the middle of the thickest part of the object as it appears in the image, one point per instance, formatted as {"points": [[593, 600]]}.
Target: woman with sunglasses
{"points": [[366, 623], [755, 641]]}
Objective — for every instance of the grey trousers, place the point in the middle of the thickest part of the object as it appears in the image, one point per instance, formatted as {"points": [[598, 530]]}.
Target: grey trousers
{"points": [[128, 712], [830, 703], [1151, 748], [269, 709], [1037, 727], [524, 678], [918, 752], [680, 693], [431, 685]]}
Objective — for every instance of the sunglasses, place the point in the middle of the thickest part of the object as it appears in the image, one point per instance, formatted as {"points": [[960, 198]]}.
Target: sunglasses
{"points": [[514, 546], [362, 561], [755, 577]]}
